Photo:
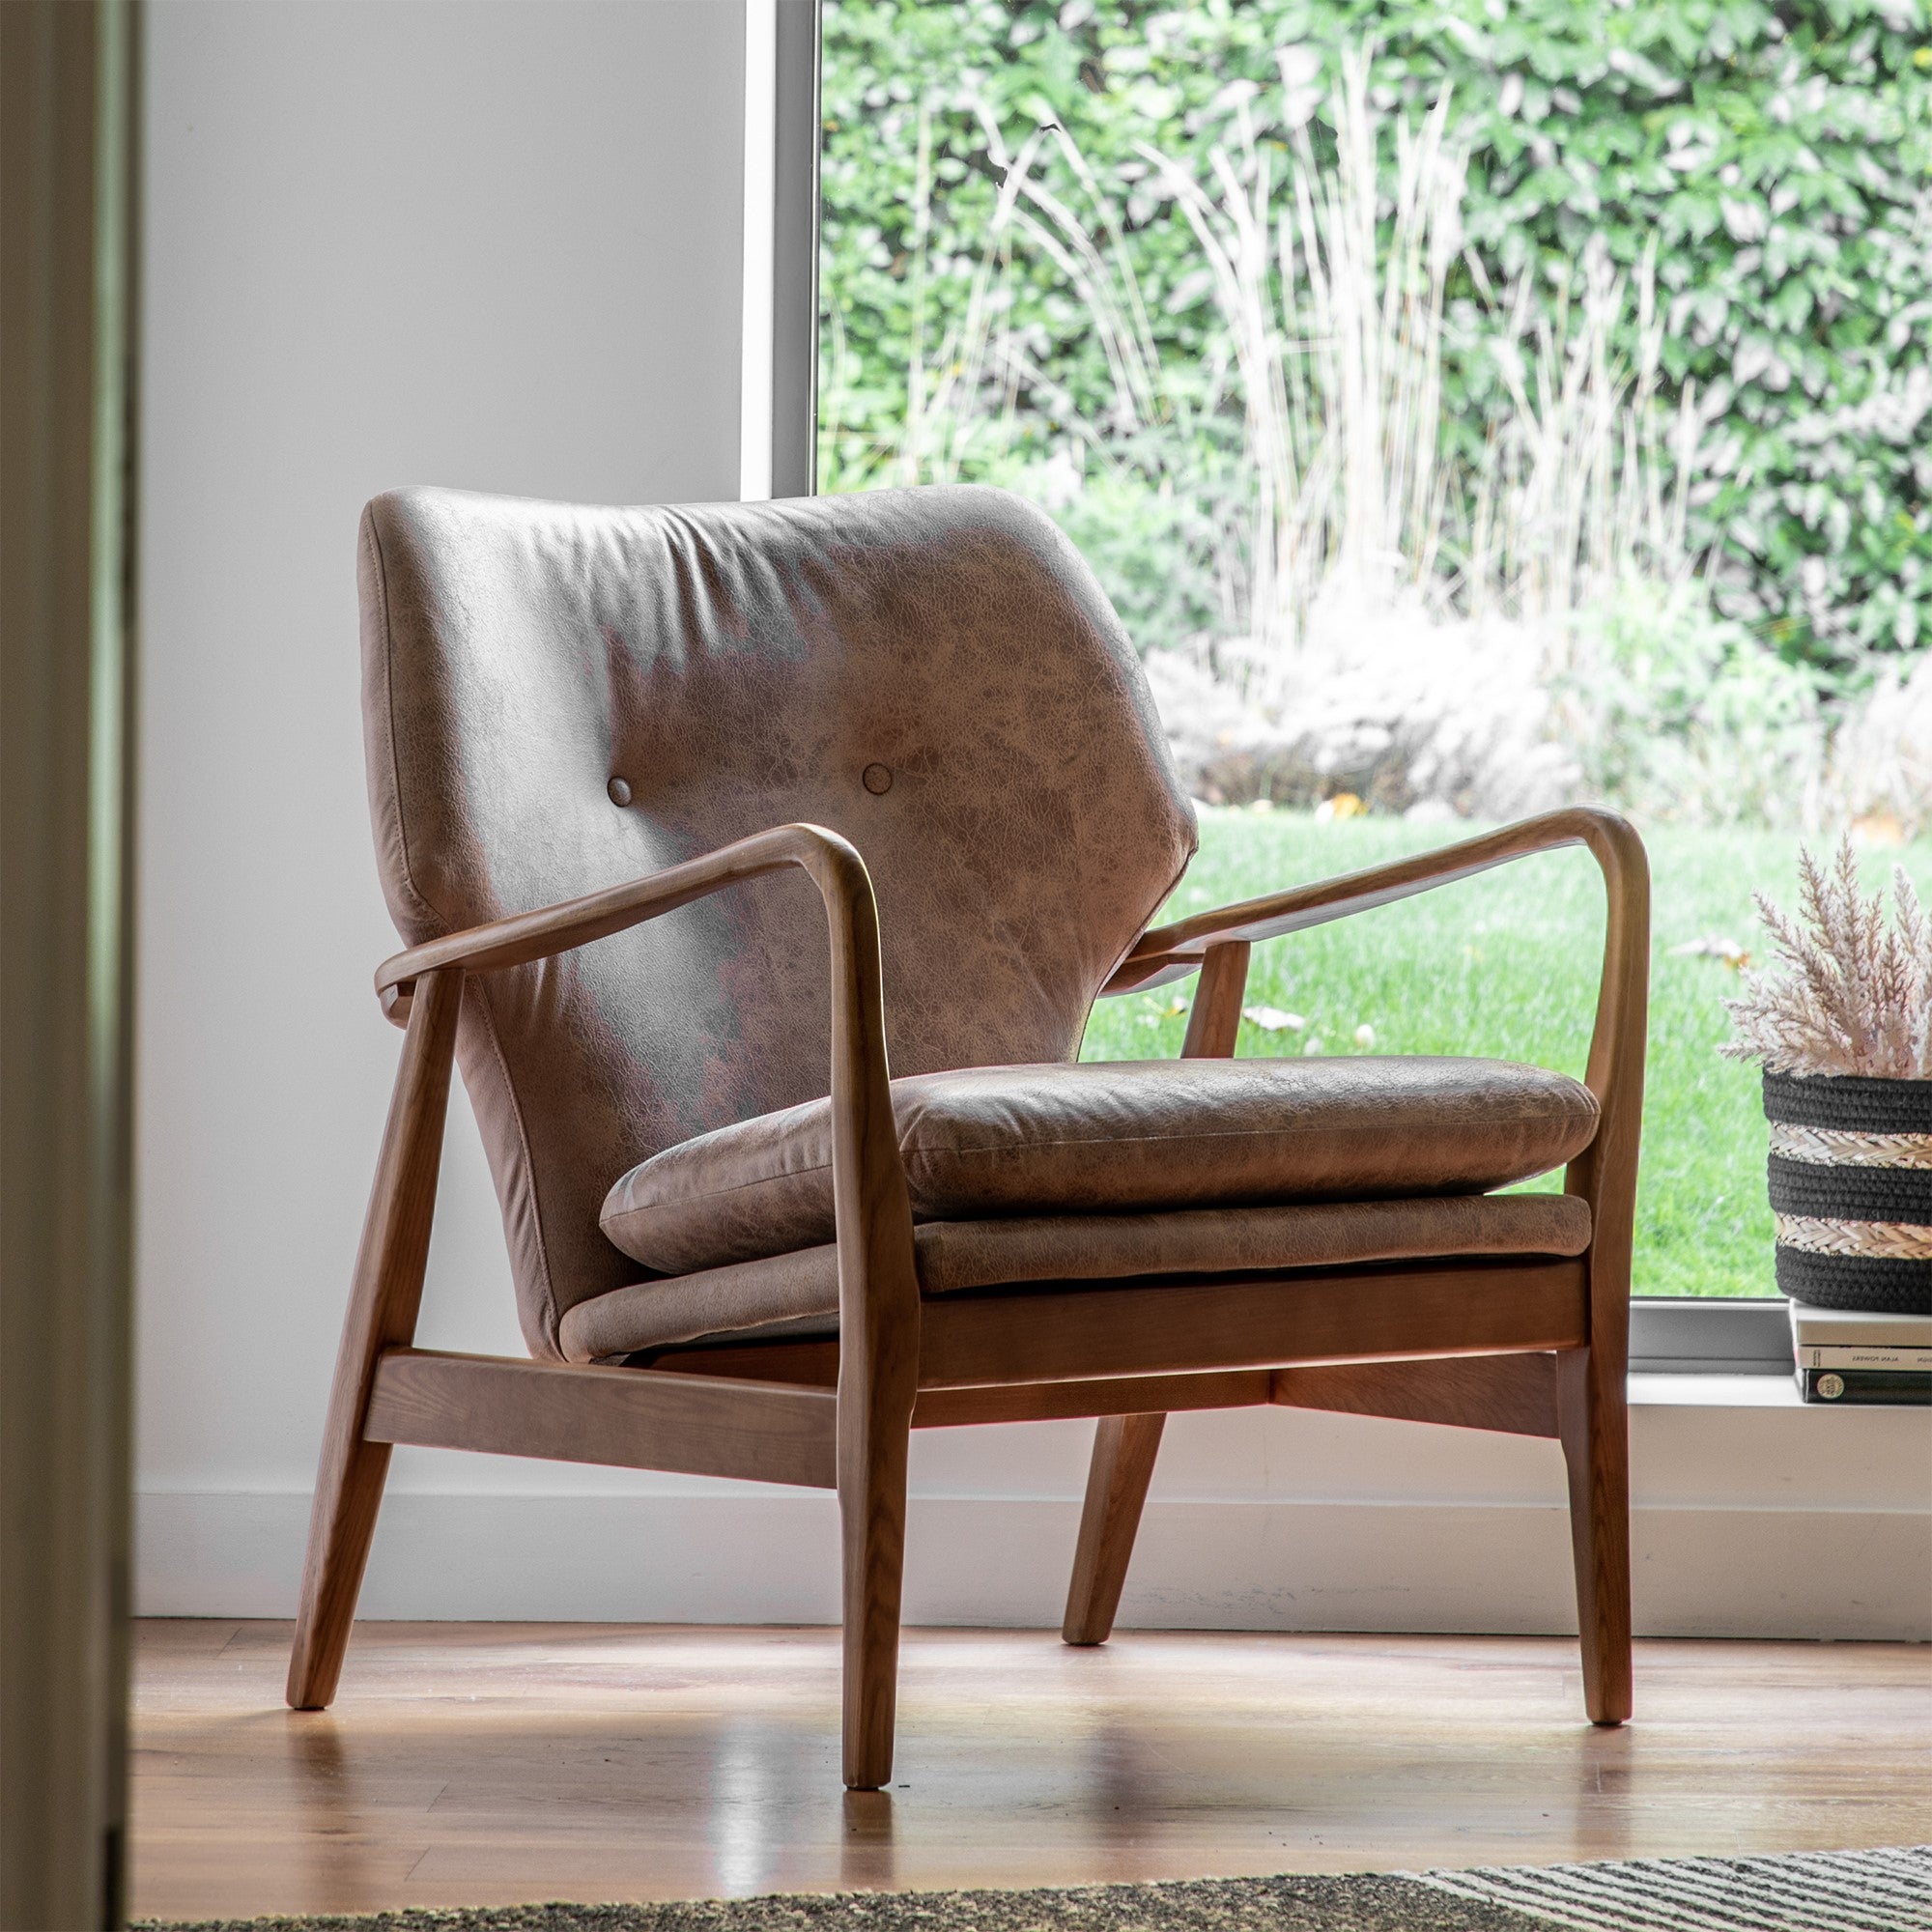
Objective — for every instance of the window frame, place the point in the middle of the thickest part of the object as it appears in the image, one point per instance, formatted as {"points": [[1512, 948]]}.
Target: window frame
{"points": [[779, 388]]}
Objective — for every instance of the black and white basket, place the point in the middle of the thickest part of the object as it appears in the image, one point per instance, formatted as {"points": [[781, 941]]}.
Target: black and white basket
{"points": [[1850, 1190]]}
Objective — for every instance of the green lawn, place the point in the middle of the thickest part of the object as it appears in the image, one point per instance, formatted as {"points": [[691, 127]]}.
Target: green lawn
{"points": [[1506, 964]]}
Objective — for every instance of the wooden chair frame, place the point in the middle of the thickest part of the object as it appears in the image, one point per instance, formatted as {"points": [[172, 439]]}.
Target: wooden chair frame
{"points": [[1530, 1347]]}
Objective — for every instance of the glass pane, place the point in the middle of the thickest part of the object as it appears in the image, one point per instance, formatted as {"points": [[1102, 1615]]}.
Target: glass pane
{"points": [[1525, 404]]}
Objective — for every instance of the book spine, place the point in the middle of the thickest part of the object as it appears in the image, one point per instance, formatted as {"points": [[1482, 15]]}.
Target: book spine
{"points": [[1864, 1355], [1852, 1387]]}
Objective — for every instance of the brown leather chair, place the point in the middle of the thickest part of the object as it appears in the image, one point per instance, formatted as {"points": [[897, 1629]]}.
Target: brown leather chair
{"points": [[603, 744]]}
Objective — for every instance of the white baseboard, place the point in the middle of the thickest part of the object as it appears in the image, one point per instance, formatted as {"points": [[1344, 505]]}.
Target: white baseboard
{"points": [[1261, 1564], [1755, 1516]]}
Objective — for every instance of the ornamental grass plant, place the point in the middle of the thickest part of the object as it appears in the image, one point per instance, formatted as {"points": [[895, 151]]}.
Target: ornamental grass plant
{"points": [[1774, 157], [1333, 591]]}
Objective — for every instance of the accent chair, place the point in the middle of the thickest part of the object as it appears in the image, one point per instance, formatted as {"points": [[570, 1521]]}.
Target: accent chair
{"points": [[760, 865]]}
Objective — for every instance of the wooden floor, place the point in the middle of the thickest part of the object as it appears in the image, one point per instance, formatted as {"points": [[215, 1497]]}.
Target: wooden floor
{"points": [[493, 1763]]}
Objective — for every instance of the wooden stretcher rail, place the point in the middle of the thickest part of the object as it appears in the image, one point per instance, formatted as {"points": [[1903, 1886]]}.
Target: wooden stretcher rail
{"points": [[1514, 1395], [630, 1418], [687, 1418], [1117, 1395]]}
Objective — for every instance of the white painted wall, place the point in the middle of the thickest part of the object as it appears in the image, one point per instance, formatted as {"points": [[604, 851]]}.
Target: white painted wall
{"points": [[500, 247], [456, 242]]}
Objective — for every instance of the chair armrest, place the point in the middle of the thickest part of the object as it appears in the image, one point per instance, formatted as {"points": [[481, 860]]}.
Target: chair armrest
{"points": [[878, 1291], [1165, 952], [835, 866], [1605, 1173]]}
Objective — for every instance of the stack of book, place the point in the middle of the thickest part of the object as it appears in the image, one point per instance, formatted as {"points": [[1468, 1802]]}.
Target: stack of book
{"points": [[1847, 1356]]}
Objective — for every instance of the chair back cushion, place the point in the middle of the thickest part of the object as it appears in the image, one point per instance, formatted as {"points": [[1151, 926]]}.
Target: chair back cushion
{"points": [[557, 698]]}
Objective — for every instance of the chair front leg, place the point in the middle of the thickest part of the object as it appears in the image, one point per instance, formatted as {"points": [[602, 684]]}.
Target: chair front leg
{"points": [[878, 1382], [382, 1305], [1592, 1400], [874, 1438], [1593, 1422], [878, 1320]]}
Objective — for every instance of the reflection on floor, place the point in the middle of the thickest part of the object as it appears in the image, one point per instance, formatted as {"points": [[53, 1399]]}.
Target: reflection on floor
{"points": [[491, 1763]]}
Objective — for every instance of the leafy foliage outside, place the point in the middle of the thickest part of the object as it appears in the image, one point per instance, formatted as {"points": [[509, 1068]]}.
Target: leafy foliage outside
{"points": [[1771, 163]]}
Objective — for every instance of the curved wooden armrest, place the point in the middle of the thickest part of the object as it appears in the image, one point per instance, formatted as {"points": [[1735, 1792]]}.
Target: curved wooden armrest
{"points": [[878, 1291], [1165, 952], [1605, 1172], [834, 863]]}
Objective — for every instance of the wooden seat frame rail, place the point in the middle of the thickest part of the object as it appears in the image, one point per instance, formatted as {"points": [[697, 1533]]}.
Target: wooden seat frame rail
{"points": [[1533, 1346]]}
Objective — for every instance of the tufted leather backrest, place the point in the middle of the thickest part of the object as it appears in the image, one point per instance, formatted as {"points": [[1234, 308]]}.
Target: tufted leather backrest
{"points": [[557, 698]]}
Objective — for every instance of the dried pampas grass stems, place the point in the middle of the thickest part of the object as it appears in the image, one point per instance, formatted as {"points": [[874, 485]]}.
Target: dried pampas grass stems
{"points": [[1854, 994]]}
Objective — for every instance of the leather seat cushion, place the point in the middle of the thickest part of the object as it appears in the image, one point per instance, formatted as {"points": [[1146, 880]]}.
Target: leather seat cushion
{"points": [[798, 1294], [1113, 1138]]}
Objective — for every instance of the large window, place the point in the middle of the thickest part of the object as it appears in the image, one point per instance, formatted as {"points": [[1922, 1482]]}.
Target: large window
{"points": [[1468, 409]]}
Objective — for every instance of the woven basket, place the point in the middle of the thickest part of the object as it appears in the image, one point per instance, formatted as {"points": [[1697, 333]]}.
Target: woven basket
{"points": [[1851, 1189]]}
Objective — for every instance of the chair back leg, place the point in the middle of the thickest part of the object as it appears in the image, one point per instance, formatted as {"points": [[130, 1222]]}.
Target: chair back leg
{"points": [[1593, 1422], [1125, 1449], [1125, 1446], [382, 1305]]}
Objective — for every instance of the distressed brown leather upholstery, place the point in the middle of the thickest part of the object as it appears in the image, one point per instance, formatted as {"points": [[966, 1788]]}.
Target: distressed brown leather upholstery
{"points": [[559, 698], [799, 1292], [1110, 1138]]}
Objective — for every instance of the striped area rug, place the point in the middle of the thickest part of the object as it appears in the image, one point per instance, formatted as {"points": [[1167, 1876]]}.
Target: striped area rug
{"points": [[1807, 1891], [1815, 1892]]}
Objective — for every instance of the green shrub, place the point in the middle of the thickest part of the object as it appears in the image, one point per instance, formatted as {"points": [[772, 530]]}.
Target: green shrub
{"points": [[1679, 715], [1779, 157]]}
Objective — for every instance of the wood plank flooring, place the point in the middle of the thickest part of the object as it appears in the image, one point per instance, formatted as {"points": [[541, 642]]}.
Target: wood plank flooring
{"points": [[494, 1763]]}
